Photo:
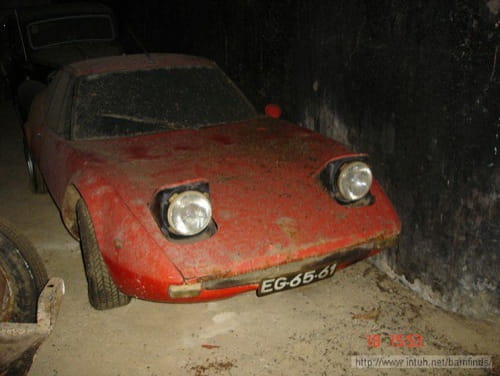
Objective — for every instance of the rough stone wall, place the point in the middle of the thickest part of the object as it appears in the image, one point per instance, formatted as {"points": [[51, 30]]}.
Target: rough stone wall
{"points": [[414, 83], [416, 86], [419, 90]]}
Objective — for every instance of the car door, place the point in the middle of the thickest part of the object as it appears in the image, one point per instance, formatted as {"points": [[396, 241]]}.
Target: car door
{"points": [[54, 137], [37, 120]]}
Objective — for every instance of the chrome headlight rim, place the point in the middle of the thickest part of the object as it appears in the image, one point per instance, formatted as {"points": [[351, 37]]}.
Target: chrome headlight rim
{"points": [[160, 202], [179, 201], [360, 189]]}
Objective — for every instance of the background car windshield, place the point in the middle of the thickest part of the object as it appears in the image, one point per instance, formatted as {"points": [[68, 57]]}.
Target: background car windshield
{"points": [[70, 29], [148, 101]]}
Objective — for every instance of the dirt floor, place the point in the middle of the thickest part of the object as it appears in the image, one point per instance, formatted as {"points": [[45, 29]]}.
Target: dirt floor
{"points": [[313, 330]]}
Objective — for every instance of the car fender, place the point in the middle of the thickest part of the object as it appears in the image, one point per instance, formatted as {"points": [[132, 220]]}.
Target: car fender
{"points": [[134, 269]]}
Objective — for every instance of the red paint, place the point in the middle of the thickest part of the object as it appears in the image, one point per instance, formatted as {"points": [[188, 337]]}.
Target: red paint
{"points": [[267, 200]]}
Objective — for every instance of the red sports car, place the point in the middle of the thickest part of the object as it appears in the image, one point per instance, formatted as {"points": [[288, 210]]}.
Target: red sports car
{"points": [[179, 191]]}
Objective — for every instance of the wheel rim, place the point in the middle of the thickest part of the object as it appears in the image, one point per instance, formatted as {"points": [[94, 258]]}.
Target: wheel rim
{"points": [[29, 164], [6, 297]]}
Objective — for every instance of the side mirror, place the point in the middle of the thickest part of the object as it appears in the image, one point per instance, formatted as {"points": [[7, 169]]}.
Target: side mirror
{"points": [[273, 110]]}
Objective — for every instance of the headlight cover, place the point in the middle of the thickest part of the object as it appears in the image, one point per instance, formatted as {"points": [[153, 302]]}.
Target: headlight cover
{"points": [[354, 180], [189, 213]]}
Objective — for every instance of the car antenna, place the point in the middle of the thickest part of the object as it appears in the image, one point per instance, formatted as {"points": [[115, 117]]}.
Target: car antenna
{"points": [[21, 35], [139, 43]]}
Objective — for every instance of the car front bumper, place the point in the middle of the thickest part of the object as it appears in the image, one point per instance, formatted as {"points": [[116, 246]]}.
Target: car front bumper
{"points": [[219, 287]]}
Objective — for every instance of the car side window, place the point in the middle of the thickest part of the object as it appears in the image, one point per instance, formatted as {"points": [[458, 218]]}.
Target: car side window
{"points": [[57, 119]]}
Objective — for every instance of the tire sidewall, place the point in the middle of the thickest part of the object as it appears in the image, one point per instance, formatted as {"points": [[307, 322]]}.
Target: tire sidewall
{"points": [[102, 292], [22, 282]]}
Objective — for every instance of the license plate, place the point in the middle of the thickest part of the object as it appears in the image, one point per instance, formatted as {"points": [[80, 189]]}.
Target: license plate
{"points": [[290, 281]]}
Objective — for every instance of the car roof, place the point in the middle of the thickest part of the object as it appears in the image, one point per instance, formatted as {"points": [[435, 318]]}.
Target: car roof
{"points": [[43, 12], [124, 63]]}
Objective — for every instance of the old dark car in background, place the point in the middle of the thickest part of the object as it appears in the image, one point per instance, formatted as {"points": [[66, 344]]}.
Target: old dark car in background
{"points": [[36, 41]]}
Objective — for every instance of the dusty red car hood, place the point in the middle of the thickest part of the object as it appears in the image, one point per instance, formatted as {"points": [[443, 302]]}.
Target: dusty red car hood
{"points": [[267, 201]]}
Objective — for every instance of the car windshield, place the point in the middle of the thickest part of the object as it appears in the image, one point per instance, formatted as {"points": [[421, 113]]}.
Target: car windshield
{"points": [[148, 101], [70, 29]]}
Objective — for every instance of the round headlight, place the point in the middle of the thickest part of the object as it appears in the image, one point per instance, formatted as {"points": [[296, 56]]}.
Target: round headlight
{"points": [[354, 180], [189, 213]]}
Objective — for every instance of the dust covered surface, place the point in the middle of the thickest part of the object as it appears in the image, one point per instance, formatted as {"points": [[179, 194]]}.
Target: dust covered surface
{"points": [[148, 101]]}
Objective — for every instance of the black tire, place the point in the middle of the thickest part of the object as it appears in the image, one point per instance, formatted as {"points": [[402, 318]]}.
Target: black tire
{"points": [[22, 276], [102, 291], [37, 184]]}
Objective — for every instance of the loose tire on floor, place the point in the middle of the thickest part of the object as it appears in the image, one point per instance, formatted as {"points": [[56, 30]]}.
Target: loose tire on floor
{"points": [[37, 184], [22, 276], [102, 291]]}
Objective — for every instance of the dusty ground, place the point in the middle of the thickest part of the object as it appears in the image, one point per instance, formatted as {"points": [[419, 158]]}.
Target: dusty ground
{"points": [[309, 331]]}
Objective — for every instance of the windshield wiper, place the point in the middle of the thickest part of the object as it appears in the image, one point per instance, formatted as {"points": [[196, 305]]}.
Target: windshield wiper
{"points": [[135, 119]]}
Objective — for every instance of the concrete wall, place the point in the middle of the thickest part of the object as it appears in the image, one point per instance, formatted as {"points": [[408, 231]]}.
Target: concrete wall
{"points": [[414, 83]]}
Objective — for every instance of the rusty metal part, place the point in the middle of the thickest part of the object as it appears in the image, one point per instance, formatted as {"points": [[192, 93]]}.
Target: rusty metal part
{"points": [[18, 339]]}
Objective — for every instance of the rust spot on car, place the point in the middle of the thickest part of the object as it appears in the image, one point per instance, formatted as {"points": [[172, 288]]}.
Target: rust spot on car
{"points": [[118, 244], [68, 211], [288, 226]]}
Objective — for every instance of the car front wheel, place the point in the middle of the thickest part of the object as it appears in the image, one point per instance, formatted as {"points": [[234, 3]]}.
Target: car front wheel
{"points": [[102, 291]]}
